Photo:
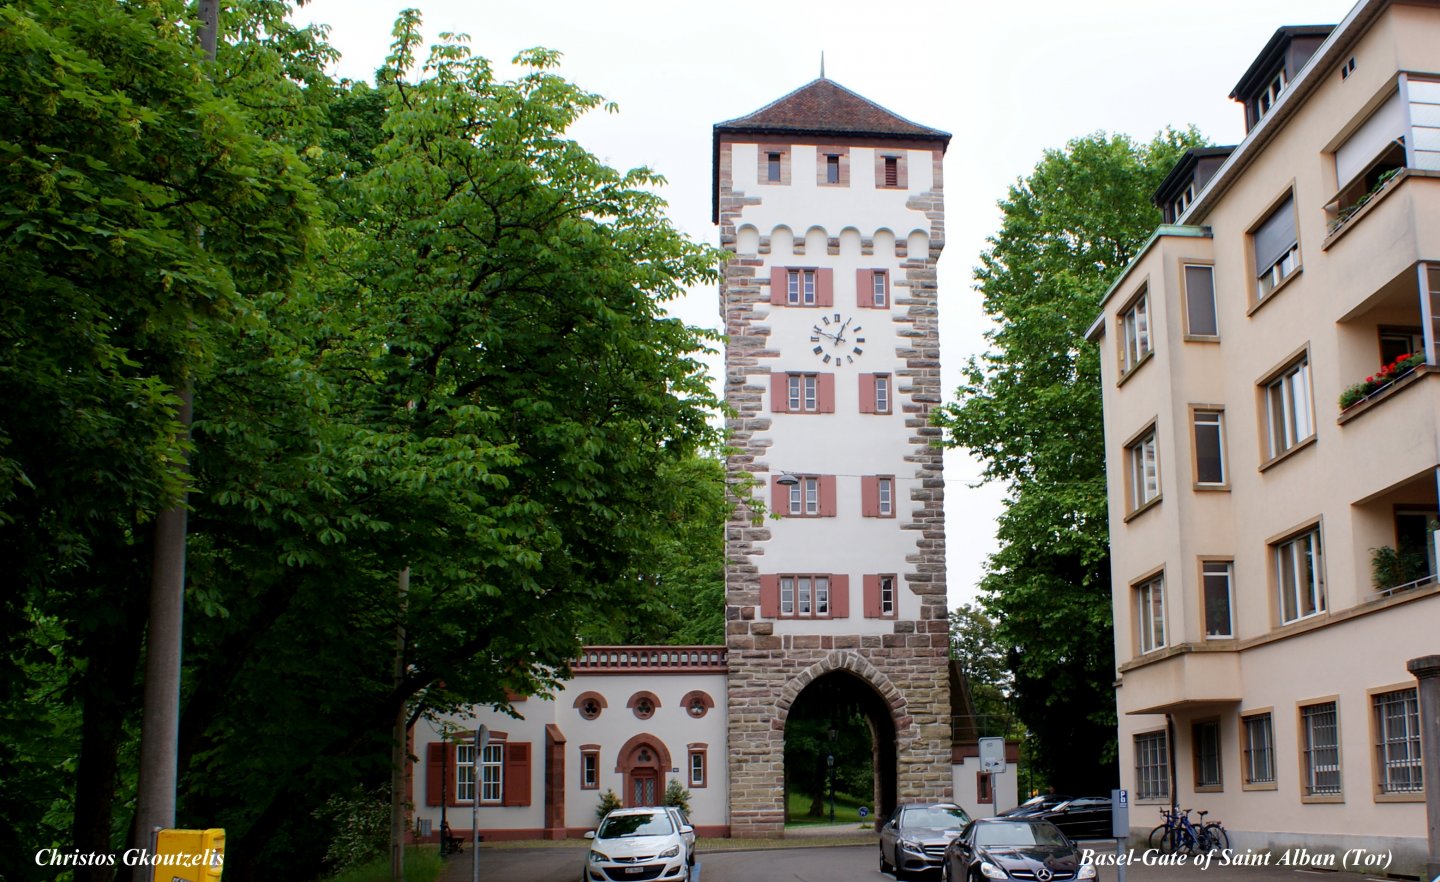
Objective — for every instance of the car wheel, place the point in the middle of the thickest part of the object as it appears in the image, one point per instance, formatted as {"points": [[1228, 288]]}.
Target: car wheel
{"points": [[884, 864]]}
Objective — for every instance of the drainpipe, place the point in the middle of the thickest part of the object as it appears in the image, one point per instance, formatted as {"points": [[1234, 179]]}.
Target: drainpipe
{"points": [[1427, 670], [1170, 748]]}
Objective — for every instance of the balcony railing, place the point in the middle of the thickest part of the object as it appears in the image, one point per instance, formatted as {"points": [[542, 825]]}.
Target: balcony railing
{"points": [[972, 727], [1373, 385], [652, 659]]}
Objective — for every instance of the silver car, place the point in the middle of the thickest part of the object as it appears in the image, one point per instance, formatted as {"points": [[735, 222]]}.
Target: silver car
{"points": [[915, 837]]}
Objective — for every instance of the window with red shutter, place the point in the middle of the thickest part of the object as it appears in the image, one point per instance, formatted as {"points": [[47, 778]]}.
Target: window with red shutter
{"points": [[892, 171]]}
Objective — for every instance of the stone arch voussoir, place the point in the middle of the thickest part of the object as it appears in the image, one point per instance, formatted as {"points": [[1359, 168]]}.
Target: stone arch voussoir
{"points": [[842, 661]]}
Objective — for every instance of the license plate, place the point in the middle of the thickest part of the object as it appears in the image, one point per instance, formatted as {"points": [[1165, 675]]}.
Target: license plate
{"points": [[634, 870]]}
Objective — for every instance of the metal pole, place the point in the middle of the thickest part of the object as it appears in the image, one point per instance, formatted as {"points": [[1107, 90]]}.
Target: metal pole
{"points": [[444, 782], [399, 752], [482, 740], [1427, 670], [830, 762]]}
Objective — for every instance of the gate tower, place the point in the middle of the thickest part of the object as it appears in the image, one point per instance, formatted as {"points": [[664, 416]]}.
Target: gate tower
{"points": [[832, 209]]}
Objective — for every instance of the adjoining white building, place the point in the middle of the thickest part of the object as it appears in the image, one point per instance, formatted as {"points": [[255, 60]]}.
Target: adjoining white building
{"points": [[632, 719], [1261, 658]]}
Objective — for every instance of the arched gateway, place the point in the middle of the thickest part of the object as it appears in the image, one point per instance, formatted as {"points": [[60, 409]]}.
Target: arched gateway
{"points": [[832, 209]]}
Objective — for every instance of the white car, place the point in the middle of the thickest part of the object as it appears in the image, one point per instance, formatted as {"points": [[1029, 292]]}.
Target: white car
{"points": [[641, 844]]}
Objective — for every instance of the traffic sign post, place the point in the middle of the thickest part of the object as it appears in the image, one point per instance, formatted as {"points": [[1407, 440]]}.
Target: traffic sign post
{"points": [[992, 760], [1120, 828]]}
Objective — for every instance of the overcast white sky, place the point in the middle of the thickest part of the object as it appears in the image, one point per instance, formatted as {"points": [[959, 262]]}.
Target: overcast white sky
{"points": [[1006, 79]]}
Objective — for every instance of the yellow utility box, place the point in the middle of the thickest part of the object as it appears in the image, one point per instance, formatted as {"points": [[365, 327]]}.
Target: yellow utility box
{"points": [[189, 855]]}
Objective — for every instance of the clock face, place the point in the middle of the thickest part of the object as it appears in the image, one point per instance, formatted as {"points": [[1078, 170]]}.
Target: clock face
{"points": [[837, 340]]}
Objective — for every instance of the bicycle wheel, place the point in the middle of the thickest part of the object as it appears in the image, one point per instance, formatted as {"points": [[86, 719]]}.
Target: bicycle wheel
{"points": [[1157, 836], [1218, 834], [1179, 841]]}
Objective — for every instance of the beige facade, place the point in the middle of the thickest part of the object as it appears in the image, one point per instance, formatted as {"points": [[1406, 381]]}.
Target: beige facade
{"points": [[1260, 663]]}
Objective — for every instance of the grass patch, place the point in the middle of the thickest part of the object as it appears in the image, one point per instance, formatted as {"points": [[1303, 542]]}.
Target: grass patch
{"points": [[847, 811], [422, 864]]}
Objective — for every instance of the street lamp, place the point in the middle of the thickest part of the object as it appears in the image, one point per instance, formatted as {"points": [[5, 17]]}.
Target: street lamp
{"points": [[830, 765]]}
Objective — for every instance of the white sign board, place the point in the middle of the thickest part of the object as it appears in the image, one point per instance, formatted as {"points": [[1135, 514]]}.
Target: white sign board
{"points": [[992, 755]]}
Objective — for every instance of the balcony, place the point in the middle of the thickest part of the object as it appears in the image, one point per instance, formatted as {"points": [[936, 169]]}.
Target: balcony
{"points": [[1392, 232], [1181, 677], [1394, 532]]}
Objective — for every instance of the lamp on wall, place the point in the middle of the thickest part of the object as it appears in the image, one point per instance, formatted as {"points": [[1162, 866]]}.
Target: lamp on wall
{"points": [[787, 480]]}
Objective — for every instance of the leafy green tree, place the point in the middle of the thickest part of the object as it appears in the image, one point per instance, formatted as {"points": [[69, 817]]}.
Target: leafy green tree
{"points": [[1030, 410], [982, 657], [115, 150], [499, 406]]}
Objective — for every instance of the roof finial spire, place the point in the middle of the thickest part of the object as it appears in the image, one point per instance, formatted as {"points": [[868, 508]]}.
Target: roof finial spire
{"points": [[822, 64]]}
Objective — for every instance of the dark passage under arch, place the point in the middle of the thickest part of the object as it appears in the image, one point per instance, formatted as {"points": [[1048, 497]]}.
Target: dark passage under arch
{"points": [[840, 714]]}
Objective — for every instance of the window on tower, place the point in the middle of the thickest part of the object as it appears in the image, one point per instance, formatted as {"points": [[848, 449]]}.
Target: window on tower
{"points": [[772, 167]]}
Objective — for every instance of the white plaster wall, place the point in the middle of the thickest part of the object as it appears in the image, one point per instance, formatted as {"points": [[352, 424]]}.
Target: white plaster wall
{"points": [[1005, 786], [798, 219], [803, 203], [670, 724]]}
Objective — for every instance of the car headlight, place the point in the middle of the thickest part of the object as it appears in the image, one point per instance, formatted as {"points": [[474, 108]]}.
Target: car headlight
{"points": [[673, 851], [912, 847], [1087, 871], [990, 871], [596, 857]]}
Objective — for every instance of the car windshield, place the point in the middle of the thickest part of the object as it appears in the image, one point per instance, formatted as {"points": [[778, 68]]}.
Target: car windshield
{"points": [[641, 824], [935, 816], [1016, 833]]}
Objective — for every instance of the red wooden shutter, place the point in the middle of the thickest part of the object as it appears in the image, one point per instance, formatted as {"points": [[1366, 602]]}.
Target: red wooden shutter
{"points": [[516, 785], [825, 393], [865, 288], [434, 769], [867, 393], [825, 287], [779, 393], [769, 597], [779, 497], [871, 599], [452, 778], [870, 497], [839, 597], [778, 285], [827, 496]]}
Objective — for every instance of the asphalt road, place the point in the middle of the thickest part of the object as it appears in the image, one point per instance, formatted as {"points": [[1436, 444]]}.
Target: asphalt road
{"points": [[831, 864]]}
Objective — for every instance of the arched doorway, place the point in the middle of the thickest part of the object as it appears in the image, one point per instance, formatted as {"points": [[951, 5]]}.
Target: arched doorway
{"points": [[643, 762], [840, 750]]}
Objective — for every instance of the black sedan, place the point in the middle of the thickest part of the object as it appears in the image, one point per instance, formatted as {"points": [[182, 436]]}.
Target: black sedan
{"points": [[1023, 849], [914, 838], [1036, 804], [1085, 817]]}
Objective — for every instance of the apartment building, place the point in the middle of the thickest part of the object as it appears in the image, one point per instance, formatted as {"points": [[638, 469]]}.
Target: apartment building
{"points": [[1273, 440]]}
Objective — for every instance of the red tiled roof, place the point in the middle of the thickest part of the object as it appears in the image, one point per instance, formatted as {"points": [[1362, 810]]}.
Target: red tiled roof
{"points": [[823, 106]]}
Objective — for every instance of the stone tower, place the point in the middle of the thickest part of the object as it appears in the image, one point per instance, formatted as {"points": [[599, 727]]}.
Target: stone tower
{"points": [[832, 208]]}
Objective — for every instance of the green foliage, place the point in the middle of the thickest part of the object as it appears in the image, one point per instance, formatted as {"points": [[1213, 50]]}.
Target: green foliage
{"points": [[356, 826], [1030, 410], [422, 864], [609, 802], [676, 795], [975, 644], [425, 330], [1391, 568]]}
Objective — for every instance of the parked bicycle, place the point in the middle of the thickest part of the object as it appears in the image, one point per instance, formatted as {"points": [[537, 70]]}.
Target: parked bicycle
{"points": [[1181, 835]]}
